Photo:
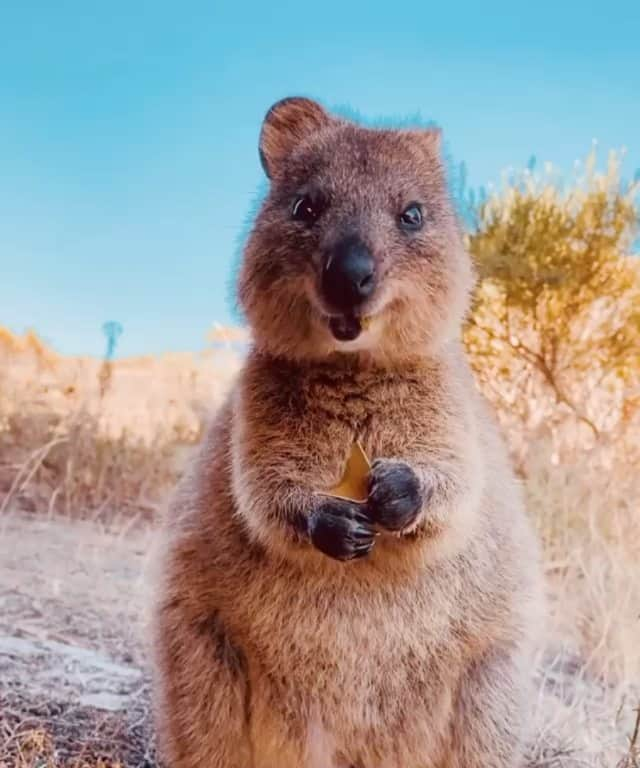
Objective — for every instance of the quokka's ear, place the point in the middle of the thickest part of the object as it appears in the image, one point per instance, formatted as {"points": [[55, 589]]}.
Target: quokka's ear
{"points": [[429, 138], [288, 122]]}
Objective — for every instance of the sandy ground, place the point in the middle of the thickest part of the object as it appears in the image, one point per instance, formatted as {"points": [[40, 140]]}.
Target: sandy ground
{"points": [[72, 649]]}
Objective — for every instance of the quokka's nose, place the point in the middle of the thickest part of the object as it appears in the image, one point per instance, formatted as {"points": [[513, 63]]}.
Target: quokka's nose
{"points": [[348, 276]]}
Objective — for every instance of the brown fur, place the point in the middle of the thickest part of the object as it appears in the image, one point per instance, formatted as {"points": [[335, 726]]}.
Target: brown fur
{"points": [[271, 654]]}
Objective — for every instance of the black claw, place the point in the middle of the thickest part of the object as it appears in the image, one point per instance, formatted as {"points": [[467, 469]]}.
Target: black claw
{"points": [[395, 495], [341, 530]]}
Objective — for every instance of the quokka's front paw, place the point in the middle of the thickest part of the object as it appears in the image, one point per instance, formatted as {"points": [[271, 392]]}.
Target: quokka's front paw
{"points": [[395, 495], [341, 529]]}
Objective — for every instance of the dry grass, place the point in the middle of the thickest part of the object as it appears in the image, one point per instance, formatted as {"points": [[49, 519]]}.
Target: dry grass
{"points": [[584, 497], [76, 440], [66, 738], [66, 449]]}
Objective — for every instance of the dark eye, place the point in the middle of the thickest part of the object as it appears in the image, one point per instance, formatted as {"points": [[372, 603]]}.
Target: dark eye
{"points": [[411, 217], [305, 210]]}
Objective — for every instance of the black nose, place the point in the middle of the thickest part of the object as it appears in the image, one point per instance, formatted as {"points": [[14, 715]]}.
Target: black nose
{"points": [[348, 277]]}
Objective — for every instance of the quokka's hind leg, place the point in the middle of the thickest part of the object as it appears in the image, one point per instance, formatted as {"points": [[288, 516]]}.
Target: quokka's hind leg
{"points": [[202, 693], [490, 721]]}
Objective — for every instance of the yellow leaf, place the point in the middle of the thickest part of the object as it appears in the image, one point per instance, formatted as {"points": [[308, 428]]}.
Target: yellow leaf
{"points": [[353, 485]]}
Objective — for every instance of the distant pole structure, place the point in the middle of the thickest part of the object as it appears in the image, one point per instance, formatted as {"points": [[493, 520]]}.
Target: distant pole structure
{"points": [[112, 330]]}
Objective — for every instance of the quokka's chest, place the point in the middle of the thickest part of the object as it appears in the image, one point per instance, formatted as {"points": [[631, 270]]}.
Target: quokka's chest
{"points": [[370, 405], [385, 427]]}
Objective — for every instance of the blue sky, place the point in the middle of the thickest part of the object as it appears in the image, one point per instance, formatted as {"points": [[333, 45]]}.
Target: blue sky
{"points": [[128, 131]]}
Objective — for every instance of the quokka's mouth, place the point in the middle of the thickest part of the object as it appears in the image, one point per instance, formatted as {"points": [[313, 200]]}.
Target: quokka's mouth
{"points": [[348, 327]]}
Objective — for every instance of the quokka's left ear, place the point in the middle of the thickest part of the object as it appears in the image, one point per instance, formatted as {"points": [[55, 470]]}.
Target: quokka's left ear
{"points": [[429, 138], [285, 125]]}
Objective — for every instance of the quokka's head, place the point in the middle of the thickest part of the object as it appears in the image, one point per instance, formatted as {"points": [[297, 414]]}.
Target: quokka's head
{"points": [[356, 248]]}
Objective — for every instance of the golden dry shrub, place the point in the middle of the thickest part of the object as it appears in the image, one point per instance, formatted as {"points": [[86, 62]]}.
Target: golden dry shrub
{"points": [[555, 326], [554, 340]]}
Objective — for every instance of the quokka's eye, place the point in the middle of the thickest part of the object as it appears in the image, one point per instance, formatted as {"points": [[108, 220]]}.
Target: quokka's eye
{"points": [[305, 210], [411, 217]]}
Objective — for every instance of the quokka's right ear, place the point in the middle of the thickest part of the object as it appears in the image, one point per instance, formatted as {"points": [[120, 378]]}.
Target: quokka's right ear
{"points": [[285, 125]]}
